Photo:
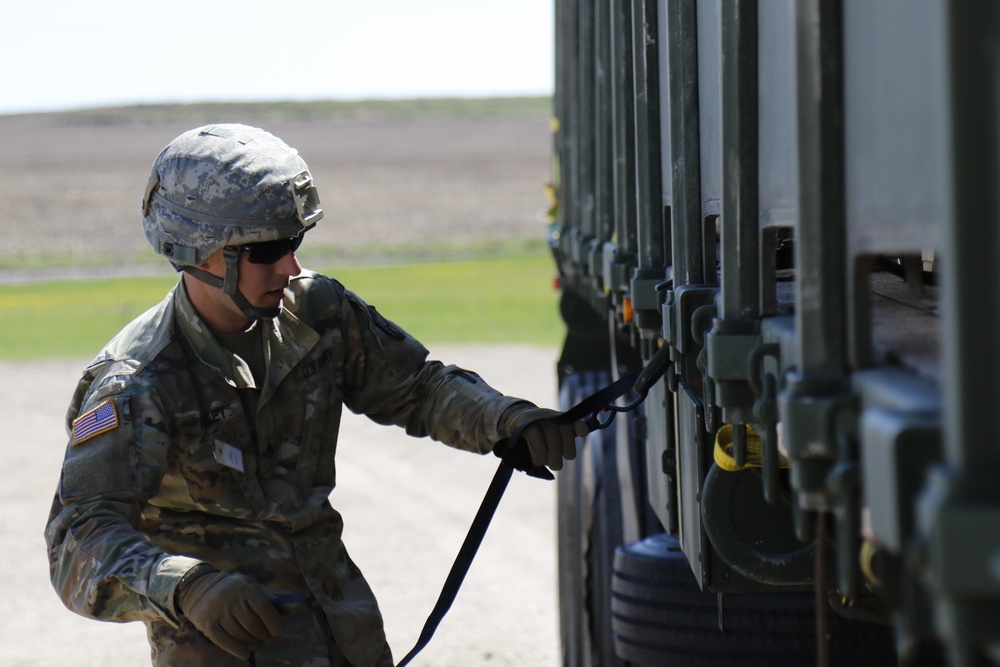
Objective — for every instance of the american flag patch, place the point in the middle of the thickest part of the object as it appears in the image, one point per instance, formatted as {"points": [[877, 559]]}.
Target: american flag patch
{"points": [[101, 419]]}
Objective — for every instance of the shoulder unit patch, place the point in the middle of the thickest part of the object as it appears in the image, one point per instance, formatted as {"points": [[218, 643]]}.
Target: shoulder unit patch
{"points": [[99, 420]]}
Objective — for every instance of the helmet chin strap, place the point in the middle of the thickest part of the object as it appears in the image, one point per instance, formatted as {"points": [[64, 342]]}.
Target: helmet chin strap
{"points": [[229, 285]]}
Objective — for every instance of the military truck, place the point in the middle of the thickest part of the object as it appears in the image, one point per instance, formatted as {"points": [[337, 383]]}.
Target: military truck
{"points": [[787, 212]]}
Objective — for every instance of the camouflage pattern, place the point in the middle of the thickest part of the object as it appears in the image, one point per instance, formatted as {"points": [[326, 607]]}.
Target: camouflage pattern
{"points": [[227, 184], [141, 504]]}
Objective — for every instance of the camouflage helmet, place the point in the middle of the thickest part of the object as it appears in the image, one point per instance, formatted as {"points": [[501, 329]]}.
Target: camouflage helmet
{"points": [[225, 185], [222, 187]]}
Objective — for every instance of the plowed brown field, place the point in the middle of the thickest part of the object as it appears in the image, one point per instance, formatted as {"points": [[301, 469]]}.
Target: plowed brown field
{"points": [[69, 193]]}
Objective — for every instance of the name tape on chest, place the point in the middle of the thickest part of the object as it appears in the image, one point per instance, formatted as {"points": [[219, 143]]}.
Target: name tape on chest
{"points": [[100, 419], [229, 456]]}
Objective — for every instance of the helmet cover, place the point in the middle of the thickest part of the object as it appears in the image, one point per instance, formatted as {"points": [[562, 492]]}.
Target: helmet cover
{"points": [[225, 185]]}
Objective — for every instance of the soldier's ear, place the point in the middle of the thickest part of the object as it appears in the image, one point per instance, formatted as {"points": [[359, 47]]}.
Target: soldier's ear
{"points": [[214, 261]]}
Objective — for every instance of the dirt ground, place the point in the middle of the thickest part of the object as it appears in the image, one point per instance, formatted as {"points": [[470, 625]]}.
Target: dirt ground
{"points": [[72, 193], [407, 506]]}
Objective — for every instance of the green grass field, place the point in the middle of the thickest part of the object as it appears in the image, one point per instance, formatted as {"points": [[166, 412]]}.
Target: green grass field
{"points": [[507, 300]]}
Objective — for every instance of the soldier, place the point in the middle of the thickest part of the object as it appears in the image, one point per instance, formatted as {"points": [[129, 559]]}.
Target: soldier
{"points": [[194, 491]]}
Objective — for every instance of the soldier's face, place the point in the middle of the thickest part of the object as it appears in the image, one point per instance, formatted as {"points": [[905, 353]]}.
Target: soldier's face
{"points": [[263, 285]]}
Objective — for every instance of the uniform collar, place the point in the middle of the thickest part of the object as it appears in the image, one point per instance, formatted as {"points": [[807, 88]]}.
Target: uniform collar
{"points": [[288, 341]]}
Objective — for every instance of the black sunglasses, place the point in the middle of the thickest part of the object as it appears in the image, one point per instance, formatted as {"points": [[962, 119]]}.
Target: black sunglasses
{"points": [[270, 252]]}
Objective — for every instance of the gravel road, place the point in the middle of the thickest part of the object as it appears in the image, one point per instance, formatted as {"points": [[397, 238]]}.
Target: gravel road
{"points": [[407, 505]]}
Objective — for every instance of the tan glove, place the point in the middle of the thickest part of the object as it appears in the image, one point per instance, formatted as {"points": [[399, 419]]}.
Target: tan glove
{"points": [[548, 443], [229, 609]]}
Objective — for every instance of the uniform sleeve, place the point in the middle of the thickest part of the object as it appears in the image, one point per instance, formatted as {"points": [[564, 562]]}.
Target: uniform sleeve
{"points": [[100, 564], [390, 380], [459, 408]]}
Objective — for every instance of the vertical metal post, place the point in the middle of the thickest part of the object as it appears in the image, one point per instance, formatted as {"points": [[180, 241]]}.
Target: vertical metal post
{"points": [[734, 331], [821, 246], [960, 514], [816, 392], [649, 202], [624, 121], [740, 252], [567, 101], [685, 151], [972, 289], [652, 233], [601, 103], [586, 136]]}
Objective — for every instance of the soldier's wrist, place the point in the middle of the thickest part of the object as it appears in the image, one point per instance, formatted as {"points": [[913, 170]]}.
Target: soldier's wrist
{"points": [[508, 418], [165, 575], [189, 576]]}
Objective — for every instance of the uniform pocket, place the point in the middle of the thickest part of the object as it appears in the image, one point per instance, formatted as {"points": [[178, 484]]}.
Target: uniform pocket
{"points": [[219, 471]]}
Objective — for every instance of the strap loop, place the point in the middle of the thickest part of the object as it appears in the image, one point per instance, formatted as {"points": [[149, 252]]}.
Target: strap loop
{"points": [[723, 453]]}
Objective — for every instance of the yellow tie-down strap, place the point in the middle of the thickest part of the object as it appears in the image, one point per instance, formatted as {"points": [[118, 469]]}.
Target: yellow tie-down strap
{"points": [[724, 450]]}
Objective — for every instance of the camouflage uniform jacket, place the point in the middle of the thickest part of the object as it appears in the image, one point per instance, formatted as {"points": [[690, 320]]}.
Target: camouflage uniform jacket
{"points": [[178, 475]]}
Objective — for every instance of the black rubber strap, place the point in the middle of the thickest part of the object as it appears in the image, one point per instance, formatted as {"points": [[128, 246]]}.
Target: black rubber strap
{"points": [[514, 455]]}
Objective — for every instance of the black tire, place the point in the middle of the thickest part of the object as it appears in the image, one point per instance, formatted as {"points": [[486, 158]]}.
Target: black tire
{"points": [[591, 496], [590, 528], [661, 617]]}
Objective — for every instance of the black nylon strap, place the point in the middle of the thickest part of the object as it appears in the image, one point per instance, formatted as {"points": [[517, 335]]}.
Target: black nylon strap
{"points": [[514, 454], [464, 559]]}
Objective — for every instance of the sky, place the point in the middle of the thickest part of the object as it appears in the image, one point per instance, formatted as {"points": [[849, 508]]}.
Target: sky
{"points": [[57, 55]]}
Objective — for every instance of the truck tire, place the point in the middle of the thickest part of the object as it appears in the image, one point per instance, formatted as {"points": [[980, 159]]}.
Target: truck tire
{"points": [[597, 510], [660, 616], [590, 529]]}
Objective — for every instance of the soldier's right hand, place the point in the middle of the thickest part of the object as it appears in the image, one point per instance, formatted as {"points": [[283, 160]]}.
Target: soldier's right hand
{"points": [[547, 442], [231, 610]]}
